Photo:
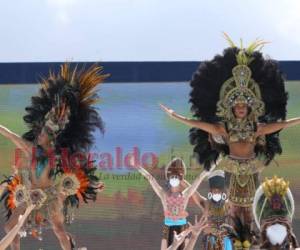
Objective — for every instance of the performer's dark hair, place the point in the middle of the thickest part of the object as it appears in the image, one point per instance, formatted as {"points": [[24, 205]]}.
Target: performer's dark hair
{"points": [[206, 84]]}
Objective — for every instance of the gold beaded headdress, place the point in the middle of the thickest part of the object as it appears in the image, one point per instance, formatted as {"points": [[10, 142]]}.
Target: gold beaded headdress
{"points": [[275, 186], [273, 199], [241, 88]]}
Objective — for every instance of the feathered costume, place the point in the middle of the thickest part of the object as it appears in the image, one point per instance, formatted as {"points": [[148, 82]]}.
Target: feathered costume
{"points": [[64, 110], [239, 75], [206, 85]]}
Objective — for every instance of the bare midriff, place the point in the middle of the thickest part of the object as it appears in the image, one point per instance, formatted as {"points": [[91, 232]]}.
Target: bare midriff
{"points": [[43, 181], [241, 150]]}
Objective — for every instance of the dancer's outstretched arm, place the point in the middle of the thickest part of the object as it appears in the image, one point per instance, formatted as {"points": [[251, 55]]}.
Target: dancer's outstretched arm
{"points": [[215, 129], [7, 240], [16, 139], [188, 192], [156, 187], [264, 129], [197, 197]]}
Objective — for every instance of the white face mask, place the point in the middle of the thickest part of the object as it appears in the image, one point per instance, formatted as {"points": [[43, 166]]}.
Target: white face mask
{"points": [[276, 234], [174, 182], [217, 197]]}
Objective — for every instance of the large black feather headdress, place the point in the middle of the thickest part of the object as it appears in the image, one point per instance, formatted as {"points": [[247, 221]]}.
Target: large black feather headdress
{"points": [[206, 85], [70, 93]]}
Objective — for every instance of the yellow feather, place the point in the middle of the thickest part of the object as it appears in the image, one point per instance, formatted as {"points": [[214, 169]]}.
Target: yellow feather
{"points": [[88, 80], [228, 39]]}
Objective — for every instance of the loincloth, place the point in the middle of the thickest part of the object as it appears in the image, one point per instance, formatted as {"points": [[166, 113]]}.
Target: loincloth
{"points": [[241, 179]]}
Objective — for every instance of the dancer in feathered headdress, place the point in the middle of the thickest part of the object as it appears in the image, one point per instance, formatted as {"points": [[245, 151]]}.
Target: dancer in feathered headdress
{"points": [[239, 102], [273, 210], [61, 119]]}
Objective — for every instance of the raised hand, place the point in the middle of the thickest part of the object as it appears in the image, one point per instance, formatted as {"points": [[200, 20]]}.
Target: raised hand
{"points": [[199, 225], [133, 163], [155, 185], [169, 111], [179, 239]]}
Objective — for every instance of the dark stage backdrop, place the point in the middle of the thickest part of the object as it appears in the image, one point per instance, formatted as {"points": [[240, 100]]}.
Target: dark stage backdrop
{"points": [[128, 215], [180, 71]]}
